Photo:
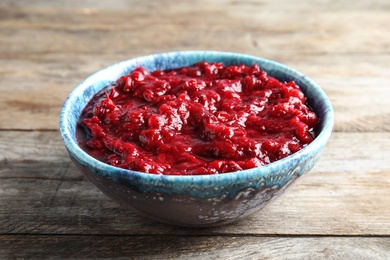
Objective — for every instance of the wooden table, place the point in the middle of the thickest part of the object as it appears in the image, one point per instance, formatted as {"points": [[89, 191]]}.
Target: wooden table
{"points": [[341, 210]]}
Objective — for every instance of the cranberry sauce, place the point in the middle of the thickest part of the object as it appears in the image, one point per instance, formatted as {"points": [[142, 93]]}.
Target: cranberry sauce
{"points": [[202, 119]]}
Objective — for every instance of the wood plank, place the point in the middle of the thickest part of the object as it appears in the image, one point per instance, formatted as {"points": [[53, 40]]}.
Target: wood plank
{"points": [[169, 4], [43, 193], [359, 101], [345, 152], [195, 26], [311, 208], [342, 47], [193, 247]]}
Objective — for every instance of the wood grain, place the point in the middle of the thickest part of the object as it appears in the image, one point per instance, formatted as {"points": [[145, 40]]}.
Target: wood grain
{"points": [[76, 207], [192, 247], [357, 99], [39, 72], [50, 196], [345, 152]]}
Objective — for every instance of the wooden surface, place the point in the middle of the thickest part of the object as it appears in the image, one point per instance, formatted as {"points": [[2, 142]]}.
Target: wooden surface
{"points": [[341, 210]]}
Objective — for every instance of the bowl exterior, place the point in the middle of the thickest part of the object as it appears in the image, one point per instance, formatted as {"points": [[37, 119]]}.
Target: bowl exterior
{"points": [[195, 201], [235, 200]]}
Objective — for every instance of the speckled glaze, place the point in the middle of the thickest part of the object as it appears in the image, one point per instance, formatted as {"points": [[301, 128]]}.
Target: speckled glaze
{"points": [[195, 201]]}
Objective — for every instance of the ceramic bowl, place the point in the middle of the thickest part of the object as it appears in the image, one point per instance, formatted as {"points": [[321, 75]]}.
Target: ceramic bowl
{"points": [[195, 201]]}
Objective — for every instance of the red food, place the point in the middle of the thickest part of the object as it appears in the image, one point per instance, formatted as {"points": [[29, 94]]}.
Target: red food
{"points": [[202, 119]]}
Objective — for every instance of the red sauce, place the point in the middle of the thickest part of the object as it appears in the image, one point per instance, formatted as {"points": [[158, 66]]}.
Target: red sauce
{"points": [[202, 119]]}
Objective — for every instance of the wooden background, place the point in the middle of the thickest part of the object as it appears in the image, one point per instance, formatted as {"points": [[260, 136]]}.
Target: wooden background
{"points": [[341, 210]]}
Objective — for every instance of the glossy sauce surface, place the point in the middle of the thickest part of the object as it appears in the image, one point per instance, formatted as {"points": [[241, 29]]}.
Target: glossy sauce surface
{"points": [[202, 119]]}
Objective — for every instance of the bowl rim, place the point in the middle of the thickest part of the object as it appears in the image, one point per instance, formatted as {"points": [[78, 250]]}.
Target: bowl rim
{"points": [[114, 172]]}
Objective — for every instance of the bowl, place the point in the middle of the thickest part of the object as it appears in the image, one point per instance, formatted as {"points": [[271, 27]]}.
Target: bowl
{"points": [[202, 200]]}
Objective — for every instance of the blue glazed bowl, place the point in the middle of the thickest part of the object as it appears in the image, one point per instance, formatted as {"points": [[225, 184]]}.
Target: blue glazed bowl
{"points": [[195, 201]]}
